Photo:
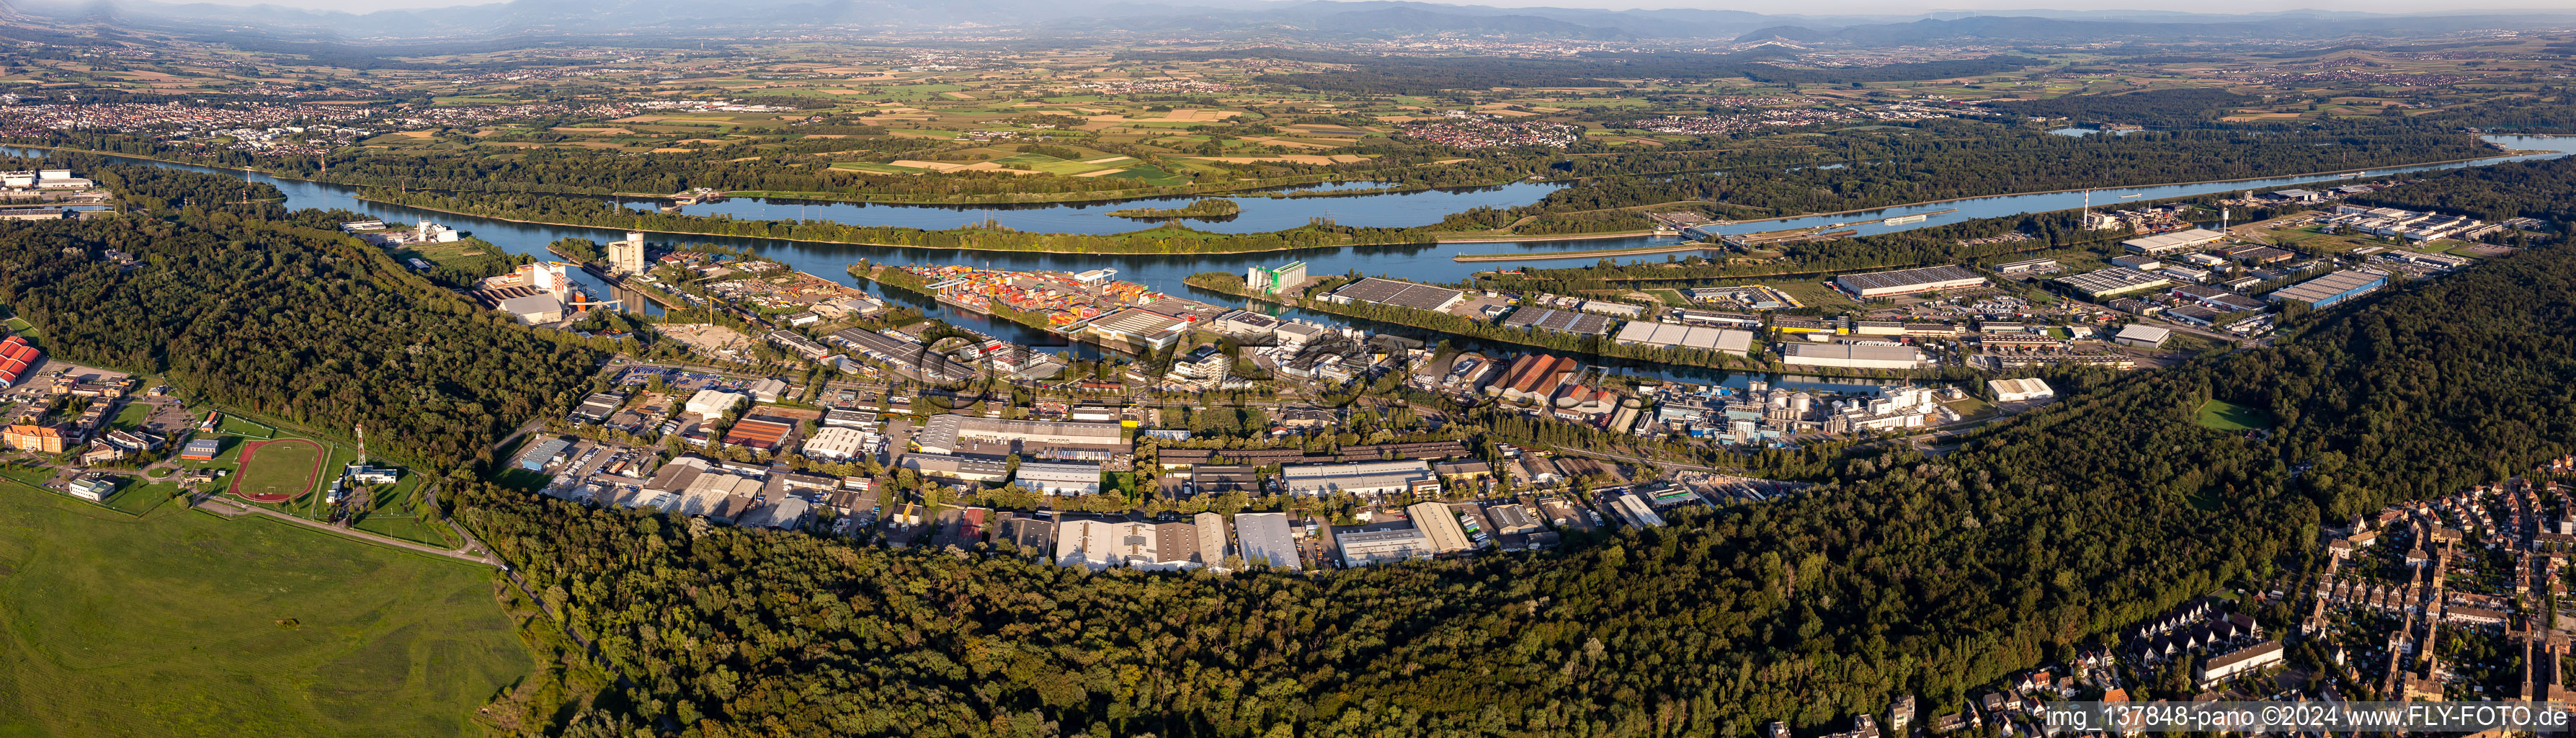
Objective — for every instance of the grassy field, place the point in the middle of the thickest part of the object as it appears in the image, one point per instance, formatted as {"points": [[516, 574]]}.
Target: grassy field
{"points": [[240, 426], [281, 468], [182, 624], [2228, 416]]}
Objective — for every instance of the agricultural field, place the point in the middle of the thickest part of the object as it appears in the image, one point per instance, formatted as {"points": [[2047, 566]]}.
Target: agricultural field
{"points": [[183, 624]]}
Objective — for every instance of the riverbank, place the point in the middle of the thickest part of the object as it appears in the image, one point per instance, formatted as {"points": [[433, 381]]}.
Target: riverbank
{"points": [[1588, 254], [1229, 189], [1603, 236], [1162, 240], [2509, 153]]}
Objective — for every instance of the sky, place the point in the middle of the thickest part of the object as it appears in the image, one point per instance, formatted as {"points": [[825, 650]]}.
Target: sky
{"points": [[1808, 7]]}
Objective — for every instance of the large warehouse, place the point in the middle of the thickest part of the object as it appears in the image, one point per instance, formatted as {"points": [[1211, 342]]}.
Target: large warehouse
{"points": [[1852, 356], [1910, 281], [1558, 320], [1399, 294], [2166, 243], [1703, 338], [1265, 539], [2113, 281], [2331, 289], [1360, 478], [947, 434]]}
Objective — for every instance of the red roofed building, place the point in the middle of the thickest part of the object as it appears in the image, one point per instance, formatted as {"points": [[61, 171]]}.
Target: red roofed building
{"points": [[759, 434], [16, 358], [1533, 378]]}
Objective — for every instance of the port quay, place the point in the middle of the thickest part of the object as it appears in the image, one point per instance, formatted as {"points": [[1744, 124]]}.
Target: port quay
{"points": [[2277, 717]]}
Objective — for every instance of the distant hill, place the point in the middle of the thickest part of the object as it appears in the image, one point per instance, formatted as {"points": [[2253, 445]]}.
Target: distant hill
{"points": [[641, 21]]}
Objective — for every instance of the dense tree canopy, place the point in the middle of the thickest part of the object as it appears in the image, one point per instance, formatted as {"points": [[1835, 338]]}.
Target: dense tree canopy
{"points": [[286, 318]]}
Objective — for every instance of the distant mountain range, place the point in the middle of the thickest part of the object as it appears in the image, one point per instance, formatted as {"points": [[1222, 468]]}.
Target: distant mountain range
{"points": [[645, 20]]}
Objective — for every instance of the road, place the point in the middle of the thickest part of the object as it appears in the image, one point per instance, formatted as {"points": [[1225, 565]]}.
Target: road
{"points": [[226, 507]]}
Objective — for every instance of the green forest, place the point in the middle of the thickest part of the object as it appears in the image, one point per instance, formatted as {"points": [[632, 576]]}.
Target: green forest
{"points": [[250, 307]]}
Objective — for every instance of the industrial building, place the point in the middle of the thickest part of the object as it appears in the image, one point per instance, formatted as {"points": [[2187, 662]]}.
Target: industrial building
{"points": [[760, 434], [1910, 281], [536, 309], [1439, 526], [627, 256], [1139, 327], [709, 403], [1533, 378], [695, 486], [1212, 549], [2032, 266], [839, 443], [2167, 243], [2113, 282], [2019, 390], [960, 468], [1264, 538], [1059, 477], [536, 458], [1852, 356], [798, 344], [1558, 320], [1274, 280], [17, 358], [1362, 547], [1731, 341], [1400, 294], [1244, 324], [1366, 478], [2143, 335], [2332, 289], [1088, 543], [947, 434]]}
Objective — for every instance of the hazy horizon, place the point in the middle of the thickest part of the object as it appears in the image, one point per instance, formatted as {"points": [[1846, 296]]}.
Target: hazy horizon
{"points": [[1819, 7]]}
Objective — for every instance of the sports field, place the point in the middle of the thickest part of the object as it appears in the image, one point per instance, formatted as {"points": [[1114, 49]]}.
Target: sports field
{"points": [[277, 471], [182, 624]]}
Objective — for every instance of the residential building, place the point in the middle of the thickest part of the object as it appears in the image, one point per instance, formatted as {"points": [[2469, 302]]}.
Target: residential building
{"points": [[2219, 668]]}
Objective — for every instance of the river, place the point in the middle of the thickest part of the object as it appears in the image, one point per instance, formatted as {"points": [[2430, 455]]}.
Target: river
{"points": [[1425, 262]]}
